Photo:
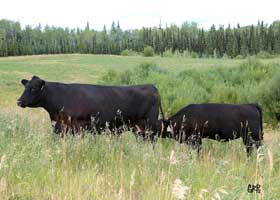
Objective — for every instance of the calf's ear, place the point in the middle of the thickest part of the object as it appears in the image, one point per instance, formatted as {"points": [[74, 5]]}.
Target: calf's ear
{"points": [[35, 77], [42, 84], [24, 81]]}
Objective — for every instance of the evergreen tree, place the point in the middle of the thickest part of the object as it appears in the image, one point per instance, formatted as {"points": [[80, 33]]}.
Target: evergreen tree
{"points": [[15, 40]]}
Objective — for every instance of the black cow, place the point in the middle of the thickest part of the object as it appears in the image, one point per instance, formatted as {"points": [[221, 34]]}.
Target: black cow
{"points": [[222, 122], [83, 106]]}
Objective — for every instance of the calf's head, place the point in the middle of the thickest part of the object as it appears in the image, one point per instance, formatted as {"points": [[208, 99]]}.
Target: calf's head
{"points": [[33, 92], [163, 127]]}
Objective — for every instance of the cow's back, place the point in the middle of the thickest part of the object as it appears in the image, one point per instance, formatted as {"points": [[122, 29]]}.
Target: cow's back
{"points": [[81, 101], [219, 121]]}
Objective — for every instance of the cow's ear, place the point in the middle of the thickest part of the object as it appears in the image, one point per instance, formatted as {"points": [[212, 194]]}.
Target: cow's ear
{"points": [[24, 81]]}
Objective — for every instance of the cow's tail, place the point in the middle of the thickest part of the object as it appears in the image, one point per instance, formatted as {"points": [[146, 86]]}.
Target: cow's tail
{"points": [[161, 111], [160, 106], [261, 116]]}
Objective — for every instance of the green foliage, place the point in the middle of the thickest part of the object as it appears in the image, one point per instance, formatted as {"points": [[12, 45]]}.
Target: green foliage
{"points": [[241, 84], [194, 55], [239, 57], [270, 97], [110, 76], [125, 52], [190, 54], [168, 53], [129, 52], [148, 51], [144, 70], [186, 54], [264, 54], [125, 78], [249, 40], [177, 53], [225, 56]]}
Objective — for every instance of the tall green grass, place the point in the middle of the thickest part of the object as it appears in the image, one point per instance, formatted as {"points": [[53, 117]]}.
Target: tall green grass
{"points": [[36, 164]]}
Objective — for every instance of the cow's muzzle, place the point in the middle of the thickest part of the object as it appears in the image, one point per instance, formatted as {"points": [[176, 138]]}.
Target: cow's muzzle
{"points": [[21, 103]]}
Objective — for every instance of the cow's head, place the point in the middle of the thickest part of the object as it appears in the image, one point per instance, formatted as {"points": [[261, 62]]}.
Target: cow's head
{"points": [[33, 92]]}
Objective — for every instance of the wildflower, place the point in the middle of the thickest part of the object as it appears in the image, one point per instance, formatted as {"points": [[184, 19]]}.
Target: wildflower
{"points": [[2, 161], [172, 158], [179, 190], [132, 178]]}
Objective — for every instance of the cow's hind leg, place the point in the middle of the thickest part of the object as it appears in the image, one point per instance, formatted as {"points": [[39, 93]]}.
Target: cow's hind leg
{"points": [[151, 123], [253, 136], [138, 130], [248, 143], [195, 142], [249, 150]]}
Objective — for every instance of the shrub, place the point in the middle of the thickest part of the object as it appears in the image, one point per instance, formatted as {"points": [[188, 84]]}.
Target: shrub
{"points": [[264, 54], [251, 63], [167, 53], [177, 53], [187, 54], [126, 77], [125, 52], [248, 83], [239, 57], [143, 70], [270, 97], [109, 76], [148, 51], [137, 75], [129, 52], [194, 55], [190, 54], [215, 53], [225, 56]]}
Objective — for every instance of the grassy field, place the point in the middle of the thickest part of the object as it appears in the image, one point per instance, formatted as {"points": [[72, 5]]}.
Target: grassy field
{"points": [[35, 164]]}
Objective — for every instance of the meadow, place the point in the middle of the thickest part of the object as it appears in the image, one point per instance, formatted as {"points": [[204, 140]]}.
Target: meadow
{"points": [[36, 164]]}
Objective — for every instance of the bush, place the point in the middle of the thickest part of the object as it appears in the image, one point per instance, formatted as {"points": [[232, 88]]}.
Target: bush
{"points": [[177, 53], [215, 53], [190, 54], [248, 83], [126, 77], [186, 54], [239, 57], [264, 54], [270, 97], [225, 56], [137, 75], [125, 52], [251, 63], [148, 51], [167, 53], [194, 55], [129, 52], [144, 69], [109, 76]]}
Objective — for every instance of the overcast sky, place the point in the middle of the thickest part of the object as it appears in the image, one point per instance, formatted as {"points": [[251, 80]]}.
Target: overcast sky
{"points": [[136, 14]]}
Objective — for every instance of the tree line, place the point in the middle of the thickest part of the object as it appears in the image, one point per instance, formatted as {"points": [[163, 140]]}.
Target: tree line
{"points": [[215, 42]]}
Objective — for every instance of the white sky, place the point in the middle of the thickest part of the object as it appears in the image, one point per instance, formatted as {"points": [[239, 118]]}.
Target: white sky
{"points": [[136, 14]]}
